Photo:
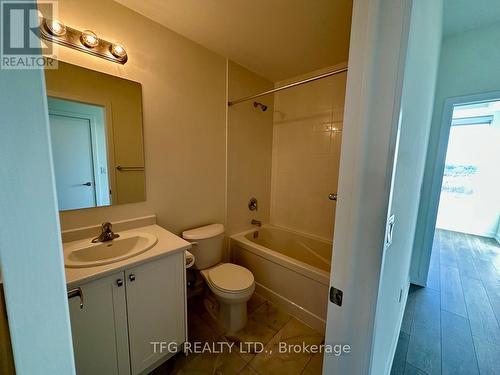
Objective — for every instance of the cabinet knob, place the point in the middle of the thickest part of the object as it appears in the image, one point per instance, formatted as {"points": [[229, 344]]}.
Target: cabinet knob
{"points": [[119, 282], [131, 277]]}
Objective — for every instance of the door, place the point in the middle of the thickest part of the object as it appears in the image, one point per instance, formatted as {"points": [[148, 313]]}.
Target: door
{"points": [[99, 329], [73, 164], [156, 309]]}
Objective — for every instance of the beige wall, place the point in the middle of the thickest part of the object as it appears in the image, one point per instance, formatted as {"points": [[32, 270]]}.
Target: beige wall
{"points": [[250, 133], [184, 108], [306, 152]]}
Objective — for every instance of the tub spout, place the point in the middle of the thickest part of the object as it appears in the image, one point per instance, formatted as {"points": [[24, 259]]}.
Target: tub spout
{"points": [[257, 222]]}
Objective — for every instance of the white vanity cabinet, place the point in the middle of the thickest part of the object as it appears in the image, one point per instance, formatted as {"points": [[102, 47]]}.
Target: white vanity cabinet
{"points": [[156, 308], [125, 312], [99, 328]]}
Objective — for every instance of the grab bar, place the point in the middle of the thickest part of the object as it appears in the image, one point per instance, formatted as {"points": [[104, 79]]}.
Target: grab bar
{"points": [[123, 168]]}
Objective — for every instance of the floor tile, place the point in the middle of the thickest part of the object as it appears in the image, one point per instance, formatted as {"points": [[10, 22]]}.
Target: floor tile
{"points": [[270, 315], [482, 318], [433, 277], [447, 250], [209, 363], [398, 364], [409, 310], [315, 365], [468, 343], [411, 370], [458, 357], [248, 370], [424, 346], [255, 301], [452, 298], [198, 330], [488, 357], [253, 332], [465, 258], [271, 361], [265, 322]]}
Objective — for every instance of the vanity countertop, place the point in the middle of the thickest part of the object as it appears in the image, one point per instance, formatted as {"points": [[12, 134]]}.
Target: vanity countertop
{"points": [[168, 243]]}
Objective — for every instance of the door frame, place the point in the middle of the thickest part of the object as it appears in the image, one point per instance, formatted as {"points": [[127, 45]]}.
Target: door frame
{"points": [[422, 254]]}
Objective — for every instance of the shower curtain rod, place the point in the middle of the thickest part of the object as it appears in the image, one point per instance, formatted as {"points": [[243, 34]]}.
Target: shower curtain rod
{"points": [[290, 85]]}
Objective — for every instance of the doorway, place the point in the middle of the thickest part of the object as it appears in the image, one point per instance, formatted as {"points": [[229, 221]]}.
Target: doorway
{"points": [[452, 325], [470, 201]]}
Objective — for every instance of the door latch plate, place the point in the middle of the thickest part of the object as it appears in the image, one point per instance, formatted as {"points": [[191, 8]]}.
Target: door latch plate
{"points": [[336, 296]]}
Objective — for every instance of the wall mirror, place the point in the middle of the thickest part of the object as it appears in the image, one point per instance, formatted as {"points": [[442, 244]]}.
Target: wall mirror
{"points": [[97, 137]]}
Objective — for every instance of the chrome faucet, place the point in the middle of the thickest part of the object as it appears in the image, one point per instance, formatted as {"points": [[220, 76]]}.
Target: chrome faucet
{"points": [[106, 234], [257, 222]]}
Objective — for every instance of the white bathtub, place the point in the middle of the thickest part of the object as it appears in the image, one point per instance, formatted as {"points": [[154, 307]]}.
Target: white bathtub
{"points": [[291, 269]]}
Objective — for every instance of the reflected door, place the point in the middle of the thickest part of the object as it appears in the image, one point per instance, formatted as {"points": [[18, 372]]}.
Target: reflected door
{"points": [[73, 164]]}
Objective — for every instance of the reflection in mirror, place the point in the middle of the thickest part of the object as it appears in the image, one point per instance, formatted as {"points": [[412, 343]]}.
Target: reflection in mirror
{"points": [[78, 135], [96, 134]]}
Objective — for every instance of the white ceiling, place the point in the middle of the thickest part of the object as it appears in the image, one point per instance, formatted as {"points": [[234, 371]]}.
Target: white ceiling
{"points": [[464, 15], [275, 38]]}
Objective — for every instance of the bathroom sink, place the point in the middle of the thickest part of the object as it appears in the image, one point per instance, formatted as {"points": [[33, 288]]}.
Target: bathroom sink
{"points": [[84, 253]]}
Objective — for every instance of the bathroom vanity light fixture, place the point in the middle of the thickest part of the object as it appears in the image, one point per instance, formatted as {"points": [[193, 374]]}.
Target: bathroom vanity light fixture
{"points": [[56, 27], [85, 41], [118, 51], [89, 39]]}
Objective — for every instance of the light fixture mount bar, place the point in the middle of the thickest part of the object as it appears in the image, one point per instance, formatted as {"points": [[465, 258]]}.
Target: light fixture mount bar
{"points": [[72, 38]]}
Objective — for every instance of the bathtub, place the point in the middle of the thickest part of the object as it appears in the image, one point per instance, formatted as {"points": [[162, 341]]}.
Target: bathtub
{"points": [[291, 269]]}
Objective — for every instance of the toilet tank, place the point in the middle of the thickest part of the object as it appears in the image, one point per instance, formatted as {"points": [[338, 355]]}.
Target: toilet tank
{"points": [[207, 245]]}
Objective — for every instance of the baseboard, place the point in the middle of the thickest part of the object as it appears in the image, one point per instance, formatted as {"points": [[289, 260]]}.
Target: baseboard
{"points": [[293, 309]]}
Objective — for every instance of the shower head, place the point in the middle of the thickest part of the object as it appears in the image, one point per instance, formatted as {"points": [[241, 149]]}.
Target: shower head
{"points": [[262, 107]]}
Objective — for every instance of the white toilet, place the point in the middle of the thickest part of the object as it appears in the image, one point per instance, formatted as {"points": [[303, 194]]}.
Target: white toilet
{"points": [[231, 284]]}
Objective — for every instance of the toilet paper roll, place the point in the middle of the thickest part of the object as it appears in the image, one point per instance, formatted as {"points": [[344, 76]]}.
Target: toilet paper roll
{"points": [[189, 259]]}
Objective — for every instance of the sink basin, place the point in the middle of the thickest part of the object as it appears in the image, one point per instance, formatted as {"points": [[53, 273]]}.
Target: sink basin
{"points": [[84, 253]]}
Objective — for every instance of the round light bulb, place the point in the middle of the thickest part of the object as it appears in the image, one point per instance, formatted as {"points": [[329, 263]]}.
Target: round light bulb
{"points": [[56, 27], [89, 39], [118, 51]]}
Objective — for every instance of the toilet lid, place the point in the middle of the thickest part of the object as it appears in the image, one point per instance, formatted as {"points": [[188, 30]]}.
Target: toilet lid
{"points": [[231, 277]]}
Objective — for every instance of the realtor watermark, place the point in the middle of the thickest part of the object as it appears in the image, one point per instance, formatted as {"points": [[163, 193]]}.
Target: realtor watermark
{"points": [[21, 46], [252, 347]]}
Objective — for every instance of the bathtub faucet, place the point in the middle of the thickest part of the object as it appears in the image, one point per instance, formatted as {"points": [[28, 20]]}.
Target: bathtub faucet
{"points": [[257, 222]]}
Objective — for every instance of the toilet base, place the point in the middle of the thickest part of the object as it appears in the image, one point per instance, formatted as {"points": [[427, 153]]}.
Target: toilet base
{"points": [[233, 316], [232, 306]]}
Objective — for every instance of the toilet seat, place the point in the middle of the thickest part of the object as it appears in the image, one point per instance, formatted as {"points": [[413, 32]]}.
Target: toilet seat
{"points": [[230, 278]]}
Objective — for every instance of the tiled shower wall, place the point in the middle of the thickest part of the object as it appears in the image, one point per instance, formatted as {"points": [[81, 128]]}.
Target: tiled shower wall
{"points": [[307, 134], [249, 150]]}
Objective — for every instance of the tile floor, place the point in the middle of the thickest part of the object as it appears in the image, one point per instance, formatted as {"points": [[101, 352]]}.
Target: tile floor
{"points": [[266, 324], [452, 325]]}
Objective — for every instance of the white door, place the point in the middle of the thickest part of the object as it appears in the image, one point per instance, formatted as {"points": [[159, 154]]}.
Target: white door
{"points": [[73, 164], [99, 329], [156, 309]]}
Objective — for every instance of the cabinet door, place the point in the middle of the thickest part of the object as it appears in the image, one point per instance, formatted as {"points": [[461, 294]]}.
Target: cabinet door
{"points": [[156, 308], [99, 329]]}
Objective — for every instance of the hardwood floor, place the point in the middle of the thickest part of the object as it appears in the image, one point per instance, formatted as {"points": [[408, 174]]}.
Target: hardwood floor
{"points": [[453, 325]]}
